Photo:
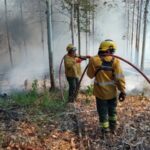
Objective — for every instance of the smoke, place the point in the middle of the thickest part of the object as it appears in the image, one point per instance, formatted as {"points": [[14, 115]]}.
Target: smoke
{"points": [[29, 56], [29, 52], [34, 67], [110, 24]]}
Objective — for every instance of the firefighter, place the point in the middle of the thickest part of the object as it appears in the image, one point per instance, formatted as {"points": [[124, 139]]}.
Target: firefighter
{"points": [[109, 78], [72, 70]]}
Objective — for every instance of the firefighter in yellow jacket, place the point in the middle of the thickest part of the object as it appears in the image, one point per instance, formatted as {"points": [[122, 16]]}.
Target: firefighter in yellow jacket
{"points": [[72, 70], [109, 78]]}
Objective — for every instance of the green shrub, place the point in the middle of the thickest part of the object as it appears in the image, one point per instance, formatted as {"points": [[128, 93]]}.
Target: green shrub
{"points": [[52, 102], [26, 98], [89, 90], [36, 102], [23, 98], [4, 103]]}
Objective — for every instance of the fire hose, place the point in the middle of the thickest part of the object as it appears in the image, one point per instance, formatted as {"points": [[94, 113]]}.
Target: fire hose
{"points": [[78, 87]]}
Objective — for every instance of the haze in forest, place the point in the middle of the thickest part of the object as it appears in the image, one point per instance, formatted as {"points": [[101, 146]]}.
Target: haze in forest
{"points": [[30, 53]]}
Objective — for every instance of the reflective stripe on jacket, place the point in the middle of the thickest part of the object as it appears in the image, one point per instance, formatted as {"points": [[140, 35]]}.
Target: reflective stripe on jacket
{"points": [[72, 68], [108, 79]]}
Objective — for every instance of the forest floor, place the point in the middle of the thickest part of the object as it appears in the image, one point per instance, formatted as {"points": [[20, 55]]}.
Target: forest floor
{"points": [[76, 127]]}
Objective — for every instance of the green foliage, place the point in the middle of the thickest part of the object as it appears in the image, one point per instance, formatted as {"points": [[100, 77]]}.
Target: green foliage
{"points": [[86, 9], [86, 15], [89, 90], [34, 90], [51, 102], [27, 98], [35, 102], [4, 103], [24, 99], [48, 101], [65, 92]]}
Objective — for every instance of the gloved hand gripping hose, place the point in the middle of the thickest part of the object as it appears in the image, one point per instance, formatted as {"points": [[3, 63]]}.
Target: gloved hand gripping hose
{"points": [[122, 97], [147, 79]]}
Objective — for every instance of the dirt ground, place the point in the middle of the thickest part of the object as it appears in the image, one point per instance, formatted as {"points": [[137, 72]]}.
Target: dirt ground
{"points": [[77, 128]]}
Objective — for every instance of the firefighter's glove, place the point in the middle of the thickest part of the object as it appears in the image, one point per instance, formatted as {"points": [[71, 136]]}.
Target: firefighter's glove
{"points": [[122, 97], [88, 57], [79, 60]]}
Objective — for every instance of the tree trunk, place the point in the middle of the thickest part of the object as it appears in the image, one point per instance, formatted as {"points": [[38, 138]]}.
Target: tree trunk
{"points": [[72, 22], [79, 32], [86, 35], [144, 34], [49, 40], [24, 41], [93, 25], [42, 28], [140, 26], [128, 27], [137, 34], [132, 36], [89, 29], [7, 32]]}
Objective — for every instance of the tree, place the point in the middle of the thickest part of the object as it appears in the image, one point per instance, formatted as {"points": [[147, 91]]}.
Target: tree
{"points": [[22, 26], [49, 40], [144, 34], [41, 25], [133, 24], [137, 30], [7, 33], [138, 26], [82, 16], [72, 22]]}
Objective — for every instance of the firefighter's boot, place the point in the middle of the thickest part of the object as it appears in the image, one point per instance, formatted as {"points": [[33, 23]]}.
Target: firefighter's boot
{"points": [[112, 126]]}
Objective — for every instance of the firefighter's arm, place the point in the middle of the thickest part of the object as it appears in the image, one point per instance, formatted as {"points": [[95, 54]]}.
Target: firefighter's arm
{"points": [[119, 77], [84, 57], [78, 60], [91, 69]]}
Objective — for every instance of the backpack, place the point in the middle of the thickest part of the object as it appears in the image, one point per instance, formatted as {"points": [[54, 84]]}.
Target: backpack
{"points": [[106, 66]]}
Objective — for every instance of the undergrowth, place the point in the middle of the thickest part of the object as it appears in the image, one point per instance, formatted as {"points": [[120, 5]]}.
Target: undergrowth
{"points": [[47, 101]]}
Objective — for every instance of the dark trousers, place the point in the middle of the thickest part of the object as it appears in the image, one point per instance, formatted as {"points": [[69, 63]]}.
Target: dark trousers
{"points": [[107, 112], [73, 83]]}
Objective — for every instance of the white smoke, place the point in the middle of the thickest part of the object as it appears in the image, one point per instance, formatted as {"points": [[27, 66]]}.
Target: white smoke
{"points": [[34, 68], [110, 23]]}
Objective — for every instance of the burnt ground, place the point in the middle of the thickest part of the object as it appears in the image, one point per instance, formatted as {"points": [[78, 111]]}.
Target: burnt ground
{"points": [[76, 128]]}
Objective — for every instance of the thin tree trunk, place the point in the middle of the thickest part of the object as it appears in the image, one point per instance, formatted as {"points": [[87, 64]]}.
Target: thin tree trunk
{"points": [[42, 28], [24, 41], [79, 32], [140, 26], [137, 34], [128, 28], [93, 25], [72, 22], [144, 34], [86, 34], [126, 36], [132, 36], [7, 32], [49, 40], [89, 28]]}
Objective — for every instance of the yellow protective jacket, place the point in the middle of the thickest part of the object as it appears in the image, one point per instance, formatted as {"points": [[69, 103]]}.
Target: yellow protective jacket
{"points": [[72, 68], [106, 82]]}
